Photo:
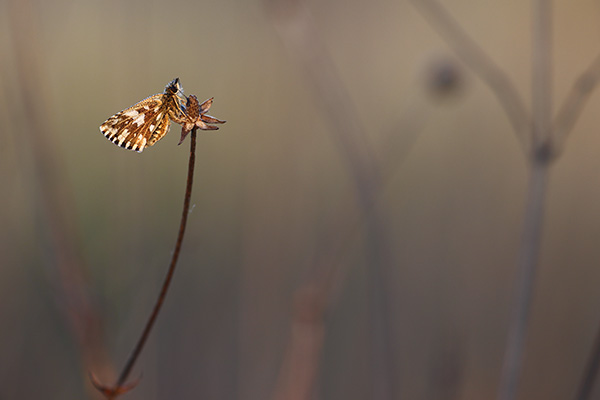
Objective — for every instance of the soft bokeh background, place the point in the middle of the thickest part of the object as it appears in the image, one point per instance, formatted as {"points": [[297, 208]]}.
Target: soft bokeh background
{"points": [[421, 294]]}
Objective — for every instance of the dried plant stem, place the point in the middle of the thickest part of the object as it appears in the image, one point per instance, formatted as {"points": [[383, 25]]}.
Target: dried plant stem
{"points": [[165, 287], [119, 386]]}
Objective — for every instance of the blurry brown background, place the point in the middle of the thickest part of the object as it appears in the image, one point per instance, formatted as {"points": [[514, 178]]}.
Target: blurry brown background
{"points": [[421, 294]]}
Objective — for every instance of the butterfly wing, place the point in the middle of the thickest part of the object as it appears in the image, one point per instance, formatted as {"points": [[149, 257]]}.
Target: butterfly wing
{"points": [[138, 126]]}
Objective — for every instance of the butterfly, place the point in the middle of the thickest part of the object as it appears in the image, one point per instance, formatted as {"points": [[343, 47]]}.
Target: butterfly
{"points": [[146, 122]]}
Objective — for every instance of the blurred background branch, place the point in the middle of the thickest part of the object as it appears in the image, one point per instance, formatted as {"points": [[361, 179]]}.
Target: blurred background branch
{"points": [[298, 31], [573, 105], [55, 207], [476, 58]]}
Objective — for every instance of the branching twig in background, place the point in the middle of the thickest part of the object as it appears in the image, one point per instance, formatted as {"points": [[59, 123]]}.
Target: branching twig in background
{"points": [[474, 56], [575, 102]]}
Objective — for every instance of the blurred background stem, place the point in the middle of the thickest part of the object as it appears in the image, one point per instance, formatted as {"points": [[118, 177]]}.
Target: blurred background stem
{"points": [[66, 266], [529, 253], [299, 33], [526, 268]]}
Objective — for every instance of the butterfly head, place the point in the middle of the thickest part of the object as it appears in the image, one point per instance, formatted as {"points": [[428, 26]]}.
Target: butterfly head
{"points": [[175, 90]]}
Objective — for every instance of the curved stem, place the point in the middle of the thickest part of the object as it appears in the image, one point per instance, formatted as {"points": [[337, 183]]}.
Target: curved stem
{"points": [[163, 292]]}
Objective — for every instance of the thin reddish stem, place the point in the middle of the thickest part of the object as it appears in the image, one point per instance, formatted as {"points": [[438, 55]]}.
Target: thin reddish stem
{"points": [[117, 389]]}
